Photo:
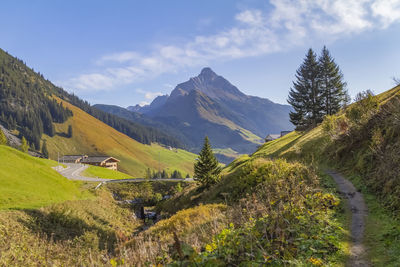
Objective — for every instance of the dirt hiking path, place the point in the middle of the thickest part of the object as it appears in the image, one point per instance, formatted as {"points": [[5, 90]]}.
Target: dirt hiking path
{"points": [[358, 214]]}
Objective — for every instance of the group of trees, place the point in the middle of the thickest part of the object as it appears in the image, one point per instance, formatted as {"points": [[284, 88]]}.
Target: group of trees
{"points": [[319, 90], [26, 104], [141, 133], [163, 174]]}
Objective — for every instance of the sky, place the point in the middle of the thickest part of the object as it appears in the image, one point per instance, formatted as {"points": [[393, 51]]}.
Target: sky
{"points": [[128, 52]]}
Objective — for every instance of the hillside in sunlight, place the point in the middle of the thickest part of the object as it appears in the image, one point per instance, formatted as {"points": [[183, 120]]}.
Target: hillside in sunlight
{"points": [[93, 137], [29, 182]]}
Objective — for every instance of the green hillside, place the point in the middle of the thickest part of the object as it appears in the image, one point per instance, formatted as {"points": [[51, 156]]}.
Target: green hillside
{"points": [[28, 182], [93, 137], [363, 142], [100, 172]]}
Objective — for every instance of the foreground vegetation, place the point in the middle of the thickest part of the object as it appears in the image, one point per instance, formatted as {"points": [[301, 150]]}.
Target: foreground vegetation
{"points": [[274, 207], [29, 182], [72, 233], [262, 211], [362, 142]]}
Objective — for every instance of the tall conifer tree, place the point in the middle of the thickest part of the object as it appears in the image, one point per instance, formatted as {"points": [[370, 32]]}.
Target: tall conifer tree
{"points": [[206, 169], [305, 96], [332, 87]]}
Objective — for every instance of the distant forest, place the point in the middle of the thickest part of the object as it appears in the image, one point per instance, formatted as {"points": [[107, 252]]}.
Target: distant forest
{"points": [[26, 104]]}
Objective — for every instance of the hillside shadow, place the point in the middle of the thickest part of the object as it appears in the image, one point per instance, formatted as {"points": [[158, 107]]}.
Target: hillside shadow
{"points": [[57, 226], [62, 134]]}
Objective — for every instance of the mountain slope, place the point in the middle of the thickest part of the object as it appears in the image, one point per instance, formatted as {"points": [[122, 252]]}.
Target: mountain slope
{"points": [[91, 136], [29, 182], [210, 105], [362, 142], [258, 115], [26, 106]]}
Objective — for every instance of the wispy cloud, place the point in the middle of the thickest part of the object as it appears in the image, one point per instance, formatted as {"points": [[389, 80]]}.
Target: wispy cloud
{"points": [[255, 32]]}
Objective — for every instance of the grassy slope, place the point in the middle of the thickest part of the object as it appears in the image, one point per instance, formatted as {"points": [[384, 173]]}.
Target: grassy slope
{"points": [[383, 228], [100, 172], [91, 136], [72, 233], [28, 182]]}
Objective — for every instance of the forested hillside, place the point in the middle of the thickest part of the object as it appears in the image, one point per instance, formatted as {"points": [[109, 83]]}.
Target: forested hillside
{"points": [[25, 101], [27, 105]]}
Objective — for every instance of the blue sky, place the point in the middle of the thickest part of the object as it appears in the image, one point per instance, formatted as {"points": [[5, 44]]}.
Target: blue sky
{"points": [[128, 52]]}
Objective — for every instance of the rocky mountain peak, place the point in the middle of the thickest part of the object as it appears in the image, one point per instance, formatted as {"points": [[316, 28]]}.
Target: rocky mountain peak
{"points": [[207, 74]]}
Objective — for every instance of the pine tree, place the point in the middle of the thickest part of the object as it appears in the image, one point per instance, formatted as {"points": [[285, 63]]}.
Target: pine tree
{"points": [[332, 86], [305, 96], [24, 145], [206, 169], [45, 152], [3, 138]]}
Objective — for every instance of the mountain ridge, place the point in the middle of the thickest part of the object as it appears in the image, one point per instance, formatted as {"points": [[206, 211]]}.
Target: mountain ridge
{"points": [[208, 104]]}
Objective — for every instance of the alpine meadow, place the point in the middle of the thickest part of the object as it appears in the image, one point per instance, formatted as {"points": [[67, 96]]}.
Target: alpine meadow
{"points": [[200, 133]]}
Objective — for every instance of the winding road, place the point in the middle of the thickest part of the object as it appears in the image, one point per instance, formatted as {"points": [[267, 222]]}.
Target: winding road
{"points": [[73, 172], [359, 212]]}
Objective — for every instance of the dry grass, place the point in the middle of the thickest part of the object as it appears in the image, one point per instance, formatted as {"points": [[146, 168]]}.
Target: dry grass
{"points": [[93, 137]]}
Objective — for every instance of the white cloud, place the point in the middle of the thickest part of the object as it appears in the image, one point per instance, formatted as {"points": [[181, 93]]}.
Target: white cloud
{"points": [[144, 103], [289, 23], [148, 95], [388, 11]]}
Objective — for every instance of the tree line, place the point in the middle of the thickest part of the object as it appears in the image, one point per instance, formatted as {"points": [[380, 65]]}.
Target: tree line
{"points": [[152, 174], [141, 133], [319, 90], [25, 102], [26, 105]]}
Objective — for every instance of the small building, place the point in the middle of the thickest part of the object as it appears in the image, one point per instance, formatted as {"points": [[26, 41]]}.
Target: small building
{"points": [[285, 133], [72, 158], [271, 137], [102, 161]]}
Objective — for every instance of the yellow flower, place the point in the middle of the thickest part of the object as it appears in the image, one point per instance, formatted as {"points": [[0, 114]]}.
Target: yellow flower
{"points": [[315, 261]]}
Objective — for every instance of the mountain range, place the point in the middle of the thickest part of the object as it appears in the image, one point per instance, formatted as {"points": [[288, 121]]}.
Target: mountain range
{"points": [[208, 104]]}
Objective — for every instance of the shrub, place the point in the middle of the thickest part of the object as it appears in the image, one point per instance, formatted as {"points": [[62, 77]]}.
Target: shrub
{"points": [[366, 105]]}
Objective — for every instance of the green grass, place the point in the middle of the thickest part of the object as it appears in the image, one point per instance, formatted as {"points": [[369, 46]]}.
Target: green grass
{"points": [[29, 182], [100, 172], [93, 137]]}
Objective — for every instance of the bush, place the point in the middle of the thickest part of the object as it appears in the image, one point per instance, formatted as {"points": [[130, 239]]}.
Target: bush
{"points": [[367, 104]]}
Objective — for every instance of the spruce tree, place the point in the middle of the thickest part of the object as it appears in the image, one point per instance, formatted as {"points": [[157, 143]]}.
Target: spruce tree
{"points": [[24, 145], [305, 96], [3, 138], [332, 87], [45, 152], [206, 169]]}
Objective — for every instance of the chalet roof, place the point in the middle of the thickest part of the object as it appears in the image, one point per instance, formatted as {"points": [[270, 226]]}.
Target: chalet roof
{"points": [[98, 159]]}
